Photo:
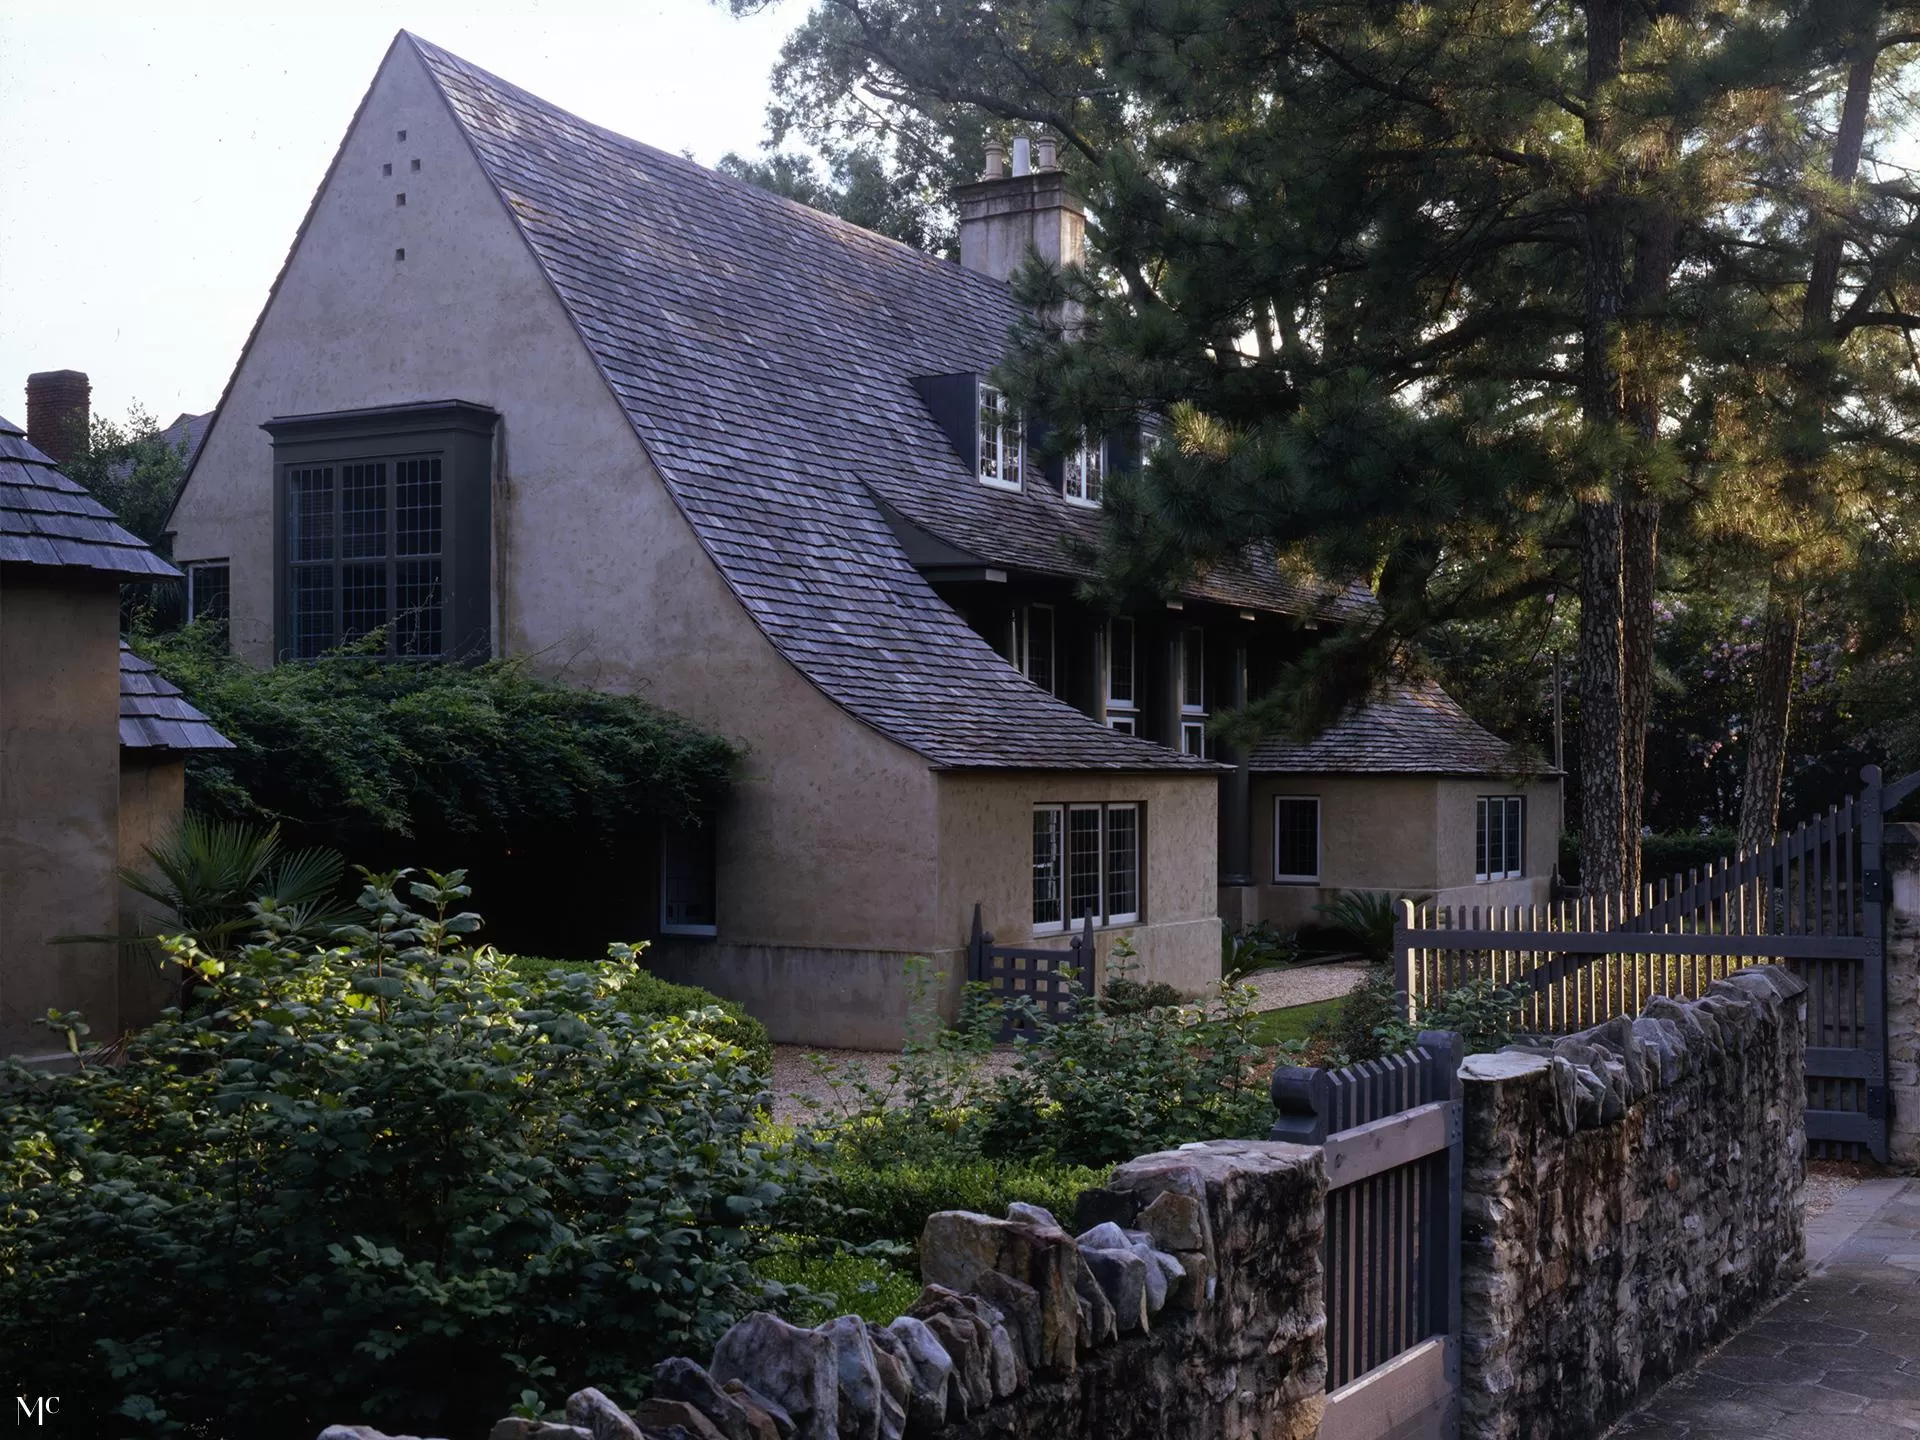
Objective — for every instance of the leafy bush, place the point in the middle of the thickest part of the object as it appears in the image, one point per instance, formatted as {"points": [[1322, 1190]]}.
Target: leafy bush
{"points": [[866, 1202], [365, 750], [1125, 996], [1098, 1087], [383, 1179], [1369, 1024], [1259, 946], [645, 996], [835, 1282]]}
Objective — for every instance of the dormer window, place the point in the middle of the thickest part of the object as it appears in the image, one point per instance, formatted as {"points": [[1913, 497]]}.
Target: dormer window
{"points": [[1002, 448], [1085, 479]]}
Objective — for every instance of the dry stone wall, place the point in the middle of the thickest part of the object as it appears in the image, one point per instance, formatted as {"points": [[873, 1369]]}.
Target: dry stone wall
{"points": [[1632, 1194]]}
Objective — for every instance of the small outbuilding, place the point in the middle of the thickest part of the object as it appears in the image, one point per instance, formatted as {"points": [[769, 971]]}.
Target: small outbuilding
{"points": [[1406, 794], [76, 799]]}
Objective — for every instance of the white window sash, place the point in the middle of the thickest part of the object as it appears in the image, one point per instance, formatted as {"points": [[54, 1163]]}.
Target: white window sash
{"points": [[1116, 629], [1058, 863], [1126, 917], [1003, 446]]}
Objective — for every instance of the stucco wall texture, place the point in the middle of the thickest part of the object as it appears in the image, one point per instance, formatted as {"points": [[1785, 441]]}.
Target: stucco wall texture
{"points": [[1409, 834], [59, 797], [837, 853], [153, 796]]}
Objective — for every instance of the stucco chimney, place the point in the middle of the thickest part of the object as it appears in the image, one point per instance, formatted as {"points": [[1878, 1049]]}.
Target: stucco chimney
{"points": [[59, 407], [1004, 218]]}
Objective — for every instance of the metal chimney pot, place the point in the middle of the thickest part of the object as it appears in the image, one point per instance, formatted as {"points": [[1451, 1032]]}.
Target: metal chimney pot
{"points": [[1022, 160]]}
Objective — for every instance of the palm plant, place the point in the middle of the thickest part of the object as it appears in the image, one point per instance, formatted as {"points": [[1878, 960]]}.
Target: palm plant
{"points": [[1366, 915], [221, 882]]}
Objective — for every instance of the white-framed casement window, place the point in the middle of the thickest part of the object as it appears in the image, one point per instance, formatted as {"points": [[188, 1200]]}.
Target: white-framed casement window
{"points": [[1193, 692], [1123, 694], [1085, 479], [1002, 445], [1499, 837], [1031, 647], [1086, 861], [1296, 839]]}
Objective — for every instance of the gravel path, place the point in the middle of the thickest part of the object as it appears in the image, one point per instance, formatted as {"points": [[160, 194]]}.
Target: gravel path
{"points": [[796, 1078], [1827, 1182]]}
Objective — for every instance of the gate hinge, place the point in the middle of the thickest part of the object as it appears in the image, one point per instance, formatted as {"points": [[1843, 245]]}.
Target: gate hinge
{"points": [[1873, 884], [1876, 1102]]}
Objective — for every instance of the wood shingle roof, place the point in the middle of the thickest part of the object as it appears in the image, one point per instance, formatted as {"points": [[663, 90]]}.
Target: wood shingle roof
{"points": [[47, 519], [1414, 728], [765, 353], [154, 715]]}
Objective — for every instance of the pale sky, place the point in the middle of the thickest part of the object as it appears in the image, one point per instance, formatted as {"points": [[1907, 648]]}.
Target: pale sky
{"points": [[156, 156]]}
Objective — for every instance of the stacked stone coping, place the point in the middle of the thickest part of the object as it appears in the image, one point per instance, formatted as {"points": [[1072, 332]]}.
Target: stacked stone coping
{"points": [[1190, 1304], [1632, 1193]]}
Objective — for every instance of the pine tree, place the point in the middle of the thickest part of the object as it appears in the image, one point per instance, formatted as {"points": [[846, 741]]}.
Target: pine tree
{"points": [[1420, 290]]}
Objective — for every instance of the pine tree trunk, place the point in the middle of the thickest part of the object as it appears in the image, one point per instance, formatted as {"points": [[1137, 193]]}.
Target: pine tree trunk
{"points": [[1602, 656], [1786, 597], [1602, 670], [1639, 557], [1767, 735]]}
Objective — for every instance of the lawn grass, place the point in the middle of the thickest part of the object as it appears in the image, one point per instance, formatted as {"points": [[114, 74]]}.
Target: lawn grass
{"points": [[1275, 1027]]}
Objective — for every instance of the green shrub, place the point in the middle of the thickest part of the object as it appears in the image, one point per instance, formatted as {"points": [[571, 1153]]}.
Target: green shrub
{"points": [[868, 1202], [1129, 997], [835, 1282], [357, 750], [1368, 1023], [1259, 946], [394, 1179], [646, 996]]}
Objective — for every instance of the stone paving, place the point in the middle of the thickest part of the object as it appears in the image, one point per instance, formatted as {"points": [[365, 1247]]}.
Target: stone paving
{"points": [[1837, 1359]]}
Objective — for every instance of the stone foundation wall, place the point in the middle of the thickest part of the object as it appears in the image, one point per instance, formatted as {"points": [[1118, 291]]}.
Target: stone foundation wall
{"points": [[1632, 1194]]}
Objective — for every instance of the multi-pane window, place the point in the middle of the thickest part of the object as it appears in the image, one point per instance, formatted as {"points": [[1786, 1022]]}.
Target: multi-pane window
{"points": [[209, 591], [1030, 644], [1193, 692], [1123, 696], [1085, 478], [1499, 837], [1296, 839], [1086, 861], [1002, 446], [364, 553]]}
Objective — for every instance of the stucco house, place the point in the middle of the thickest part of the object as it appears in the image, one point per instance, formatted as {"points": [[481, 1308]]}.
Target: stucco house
{"points": [[525, 387], [92, 749]]}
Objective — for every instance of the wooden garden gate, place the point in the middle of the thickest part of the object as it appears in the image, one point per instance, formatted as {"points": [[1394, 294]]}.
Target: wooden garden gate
{"points": [[1814, 900], [1392, 1133], [1033, 973]]}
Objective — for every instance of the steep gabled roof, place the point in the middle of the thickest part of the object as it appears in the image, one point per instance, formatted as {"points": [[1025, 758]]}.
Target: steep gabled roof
{"points": [[765, 353], [47, 519], [1414, 728], [154, 715]]}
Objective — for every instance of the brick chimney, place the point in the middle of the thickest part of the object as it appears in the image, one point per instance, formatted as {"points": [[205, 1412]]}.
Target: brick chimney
{"points": [[1005, 217], [59, 407]]}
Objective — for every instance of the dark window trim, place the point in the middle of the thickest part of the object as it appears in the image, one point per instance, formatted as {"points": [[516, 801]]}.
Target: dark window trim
{"points": [[462, 433]]}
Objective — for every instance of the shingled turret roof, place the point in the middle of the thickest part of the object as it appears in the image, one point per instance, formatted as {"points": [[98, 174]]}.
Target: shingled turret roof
{"points": [[765, 354], [47, 519], [154, 715], [1414, 728]]}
